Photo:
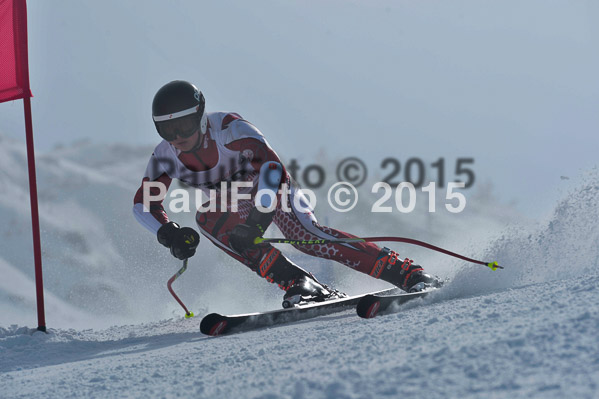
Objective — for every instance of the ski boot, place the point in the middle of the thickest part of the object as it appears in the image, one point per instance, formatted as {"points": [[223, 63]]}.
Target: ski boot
{"points": [[403, 274], [299, 285], [308, 289], [420, 281]]}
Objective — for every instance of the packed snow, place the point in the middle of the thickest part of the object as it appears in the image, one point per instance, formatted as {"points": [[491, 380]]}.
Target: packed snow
{"points": [[538, 340]]}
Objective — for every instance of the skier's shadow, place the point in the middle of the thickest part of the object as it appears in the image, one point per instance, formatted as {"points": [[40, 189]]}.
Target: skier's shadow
{"points": [[27, 351]]}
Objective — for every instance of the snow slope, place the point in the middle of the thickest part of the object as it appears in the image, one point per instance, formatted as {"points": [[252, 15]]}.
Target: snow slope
{"points": [[538, 340], [527, 331]]}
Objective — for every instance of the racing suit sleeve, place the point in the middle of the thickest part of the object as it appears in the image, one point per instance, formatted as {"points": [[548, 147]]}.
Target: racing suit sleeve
{"points": [[264, 161], [249, 141], [150, 213]]}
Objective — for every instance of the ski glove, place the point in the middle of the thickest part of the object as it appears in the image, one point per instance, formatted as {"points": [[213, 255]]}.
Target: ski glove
{"points": [[243, 235], [182, 241]]}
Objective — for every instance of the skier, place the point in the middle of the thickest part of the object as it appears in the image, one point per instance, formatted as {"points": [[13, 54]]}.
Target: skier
{"points": [[204, 149]]}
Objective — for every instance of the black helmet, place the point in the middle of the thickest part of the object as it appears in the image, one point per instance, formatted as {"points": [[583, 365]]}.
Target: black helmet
{"points": [[178, 110]]}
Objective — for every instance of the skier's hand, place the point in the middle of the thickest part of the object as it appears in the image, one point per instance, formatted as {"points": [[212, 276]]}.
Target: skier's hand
{"points": [[182, 241]]}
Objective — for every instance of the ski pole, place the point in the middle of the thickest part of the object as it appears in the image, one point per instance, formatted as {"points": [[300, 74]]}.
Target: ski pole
{"points": [[259, 240], [188, 314]]}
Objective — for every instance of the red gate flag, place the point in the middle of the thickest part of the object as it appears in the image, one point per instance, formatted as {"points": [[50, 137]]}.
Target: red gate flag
{"points": [[14, 67], [14, 85]]}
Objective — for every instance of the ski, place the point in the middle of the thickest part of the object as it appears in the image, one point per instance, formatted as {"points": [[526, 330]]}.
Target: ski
{"points": [[372, 305], [216, 324]]}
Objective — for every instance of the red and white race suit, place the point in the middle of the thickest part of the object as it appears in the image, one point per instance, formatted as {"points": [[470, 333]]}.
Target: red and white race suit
{"points": [[230, 147]]}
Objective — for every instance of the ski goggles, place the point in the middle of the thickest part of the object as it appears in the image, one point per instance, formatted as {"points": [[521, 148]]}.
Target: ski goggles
{"points": [[183, 127]]}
